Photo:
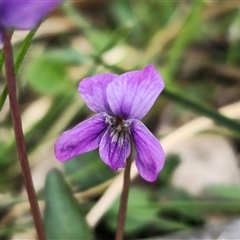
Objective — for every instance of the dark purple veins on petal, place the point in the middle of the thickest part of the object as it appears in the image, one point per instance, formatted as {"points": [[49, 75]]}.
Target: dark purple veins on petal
{"points": [[85, 137], [115, 145], [150, 156]]}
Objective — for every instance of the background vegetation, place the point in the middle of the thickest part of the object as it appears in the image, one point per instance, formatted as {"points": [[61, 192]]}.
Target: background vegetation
{"points": [[195, 46]]}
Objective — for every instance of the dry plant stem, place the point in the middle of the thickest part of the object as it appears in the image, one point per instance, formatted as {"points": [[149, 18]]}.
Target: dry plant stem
{"points": [[17, 126], [124, 198]]}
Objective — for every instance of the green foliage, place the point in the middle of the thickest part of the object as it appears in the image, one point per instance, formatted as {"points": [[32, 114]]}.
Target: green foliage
{"points": [[22, 53], [81, 171], [195, 46], [47, 74], [143, 214], [63, 218], [223, 192], [201, 107], [1, 60], [188, 33], [172, 162], [140, 211]]}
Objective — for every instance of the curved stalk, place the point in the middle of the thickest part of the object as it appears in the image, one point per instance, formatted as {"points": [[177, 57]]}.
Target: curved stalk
{"points": [[17, 126], [124, 198]]}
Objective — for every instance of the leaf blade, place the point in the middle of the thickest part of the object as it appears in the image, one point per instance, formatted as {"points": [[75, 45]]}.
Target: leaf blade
{"points": [[62, 211]]}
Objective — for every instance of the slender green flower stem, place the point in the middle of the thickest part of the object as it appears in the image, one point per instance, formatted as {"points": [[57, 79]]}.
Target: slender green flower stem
{"points": [[17, 126], [23, 50], [202, 109], [3, 97], [124, 198]]}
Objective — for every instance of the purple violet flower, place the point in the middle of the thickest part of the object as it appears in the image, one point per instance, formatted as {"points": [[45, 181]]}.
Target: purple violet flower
{"points": [[24, 14], [120, 101]]}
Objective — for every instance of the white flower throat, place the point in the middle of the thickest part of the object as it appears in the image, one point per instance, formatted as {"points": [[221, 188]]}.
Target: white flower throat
{"points": [[119, 128]]}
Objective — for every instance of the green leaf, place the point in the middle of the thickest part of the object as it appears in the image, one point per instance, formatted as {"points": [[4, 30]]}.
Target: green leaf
{"points": [[24, 48], [203, 206], [140, 211], [123, 12], [48, 75], [182, 214], [166, 226], [3, 97], [172, 162], [67, 56], [63, 218], [93, 34], [169, 193], [223, 192], [183, 40], [201, 108], [87, 170], [1, 60], [22, 53]]}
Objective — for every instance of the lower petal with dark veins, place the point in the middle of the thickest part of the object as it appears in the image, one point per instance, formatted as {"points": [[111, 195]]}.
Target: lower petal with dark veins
{"points": [[115, 147]]}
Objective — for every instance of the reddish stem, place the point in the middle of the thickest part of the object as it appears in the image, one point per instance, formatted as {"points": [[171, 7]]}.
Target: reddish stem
{"points": [[17, 126], [124, 198]]}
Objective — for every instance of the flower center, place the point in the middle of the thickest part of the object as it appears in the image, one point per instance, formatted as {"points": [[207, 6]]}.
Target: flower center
{"points": [[119, 129], [118, 124]]}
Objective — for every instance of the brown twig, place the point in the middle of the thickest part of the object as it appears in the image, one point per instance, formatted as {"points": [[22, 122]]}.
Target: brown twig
{"points": [[17, 126]]}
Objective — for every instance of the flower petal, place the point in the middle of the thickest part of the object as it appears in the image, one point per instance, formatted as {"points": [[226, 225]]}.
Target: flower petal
{"points": [[132, 94], [84, 137], [150, 156], [114, 148], [25, 14], [93, 91]]}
